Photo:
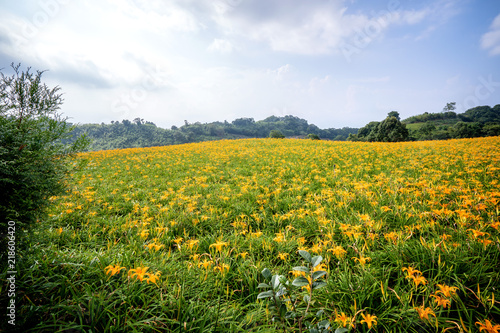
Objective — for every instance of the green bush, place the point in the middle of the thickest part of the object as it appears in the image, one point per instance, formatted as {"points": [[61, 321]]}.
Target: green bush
{"points": [[32, 156], [313, 136], [276, 134]]}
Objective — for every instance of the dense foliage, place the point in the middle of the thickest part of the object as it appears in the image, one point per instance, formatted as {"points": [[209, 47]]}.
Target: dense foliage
{"points": [[476, 122], [32, 156], [389, 130], [140, 133], [176, 239]]}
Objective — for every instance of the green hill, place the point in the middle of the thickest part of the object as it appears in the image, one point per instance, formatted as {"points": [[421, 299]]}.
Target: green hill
{"points": [[140, 133], [476, 122]]}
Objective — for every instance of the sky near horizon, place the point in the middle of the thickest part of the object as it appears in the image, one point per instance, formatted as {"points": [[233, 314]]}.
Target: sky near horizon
{"points": [[335, 63]]}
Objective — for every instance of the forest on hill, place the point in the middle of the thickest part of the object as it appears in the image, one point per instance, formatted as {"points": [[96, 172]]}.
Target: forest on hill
{"points": [[141, 133], [476, 122]]}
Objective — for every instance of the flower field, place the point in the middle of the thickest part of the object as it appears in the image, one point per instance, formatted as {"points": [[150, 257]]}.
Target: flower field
{"points": [[176, 238]]}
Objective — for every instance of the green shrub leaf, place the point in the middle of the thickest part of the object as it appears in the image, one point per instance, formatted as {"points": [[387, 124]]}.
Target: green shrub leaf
{"points": [[267, 273], [315, 261], [301, 268], [300, 281], [265, 294], [318, 274], [305, 255]]}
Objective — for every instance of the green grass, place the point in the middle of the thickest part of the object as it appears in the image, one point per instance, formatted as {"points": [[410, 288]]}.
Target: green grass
{"points": [[430, 206]]}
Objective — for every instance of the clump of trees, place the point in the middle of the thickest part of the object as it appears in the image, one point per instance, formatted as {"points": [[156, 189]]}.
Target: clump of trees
{"points": [[276, 134], [32, 152], [391, 129]]}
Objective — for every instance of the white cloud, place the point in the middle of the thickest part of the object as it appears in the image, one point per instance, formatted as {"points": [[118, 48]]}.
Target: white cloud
{"points": [[491, 40], [313, 27], [158, 59], [221, 45]]}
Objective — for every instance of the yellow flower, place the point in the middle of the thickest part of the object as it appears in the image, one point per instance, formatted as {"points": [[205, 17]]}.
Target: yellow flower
{"points": [[243, 254], [308, 286], [153, 277], [297, 273], [320, 267], [222, 268], [139, 272], [369, 320], [424, 313], [441, 301], [282, 256], [205, 263], [256, 234], [218, 245], [488, 326], [279, 238], [316, 248], [191, 243], [157, 247], [342, 319], [338, 251], [153, 245], [362, 260], [144, 233], [411, 271], [446, 290], [418, 280], [112, 270], [478, 233]]}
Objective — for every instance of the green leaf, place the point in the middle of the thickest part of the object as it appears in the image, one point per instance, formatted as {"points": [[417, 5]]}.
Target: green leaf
{"points": [[300, 281], [324, 324], [318, 274], [307, 299], [301, 268], [290, 315], [282, 310], [320, 313], [281, 292], [317, 285], [315, 261], [276, 281], [263, 285], [341, 330], [266, 273], [305, 255], [265, 294]]}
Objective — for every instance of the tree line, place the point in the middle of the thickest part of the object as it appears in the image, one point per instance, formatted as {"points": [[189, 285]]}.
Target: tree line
{"points": [[141, 133], [476, 122]]}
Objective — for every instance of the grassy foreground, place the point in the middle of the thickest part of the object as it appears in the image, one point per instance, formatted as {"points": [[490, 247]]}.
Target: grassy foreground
{"points": [[175, 238]]}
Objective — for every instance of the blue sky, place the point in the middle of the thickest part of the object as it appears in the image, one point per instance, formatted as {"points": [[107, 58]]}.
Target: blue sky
{"points": [[335, 63]]}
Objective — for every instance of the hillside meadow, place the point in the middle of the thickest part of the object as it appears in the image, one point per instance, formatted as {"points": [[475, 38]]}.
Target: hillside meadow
{"points": [[175, 238]]}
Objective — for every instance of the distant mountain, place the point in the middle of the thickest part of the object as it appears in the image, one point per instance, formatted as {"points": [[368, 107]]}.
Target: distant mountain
{"points": [[140, 133]]}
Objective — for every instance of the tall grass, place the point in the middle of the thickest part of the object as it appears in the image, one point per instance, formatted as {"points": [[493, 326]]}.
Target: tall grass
{"points": [[207, 218]]}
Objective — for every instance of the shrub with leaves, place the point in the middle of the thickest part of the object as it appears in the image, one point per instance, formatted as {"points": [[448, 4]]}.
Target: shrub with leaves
{"points": [[32, 155], [289, 305]]}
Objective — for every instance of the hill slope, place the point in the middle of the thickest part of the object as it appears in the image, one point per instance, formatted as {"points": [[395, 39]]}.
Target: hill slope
{"points": [[174, 238], [140, 133], [475, 122]]}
